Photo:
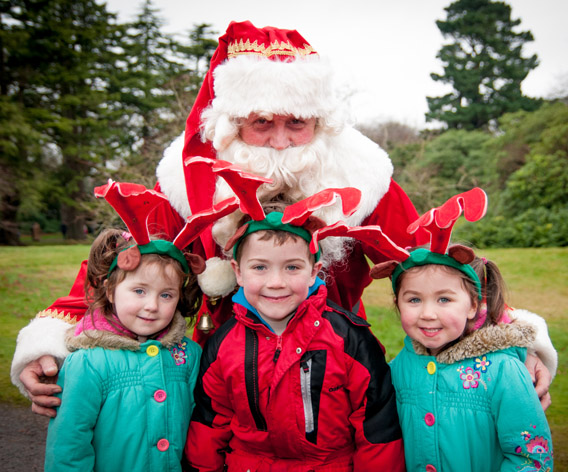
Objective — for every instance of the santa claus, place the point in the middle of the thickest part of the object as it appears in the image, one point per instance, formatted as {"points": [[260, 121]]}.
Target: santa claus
{"points": [[266, 105]]}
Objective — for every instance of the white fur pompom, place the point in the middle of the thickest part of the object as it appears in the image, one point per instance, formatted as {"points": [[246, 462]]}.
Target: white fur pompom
{"points": [[218, 278]]}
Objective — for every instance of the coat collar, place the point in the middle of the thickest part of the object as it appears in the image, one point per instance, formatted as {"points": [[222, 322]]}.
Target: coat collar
{"points": [[317, 299], [488, 339], [91, 338]]}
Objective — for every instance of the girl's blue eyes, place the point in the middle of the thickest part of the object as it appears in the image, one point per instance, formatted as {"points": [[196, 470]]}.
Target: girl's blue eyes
{"points": [[441, 300]]}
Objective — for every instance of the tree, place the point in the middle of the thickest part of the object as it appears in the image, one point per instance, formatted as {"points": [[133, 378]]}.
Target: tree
{"points": [[57, 71], [483, 63], [146, 66], [450, 163], [390, 134]]}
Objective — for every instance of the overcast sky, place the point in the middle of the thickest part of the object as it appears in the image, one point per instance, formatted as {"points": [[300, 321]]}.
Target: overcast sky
{"points": [[383, 51]]}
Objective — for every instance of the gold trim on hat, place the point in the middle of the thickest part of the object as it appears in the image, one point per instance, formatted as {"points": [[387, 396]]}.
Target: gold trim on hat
{"points": [[274, 49], [68, 318]]}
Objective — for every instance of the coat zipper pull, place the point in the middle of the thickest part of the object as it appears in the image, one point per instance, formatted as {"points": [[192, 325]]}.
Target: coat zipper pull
{"points": [[278, 349]]}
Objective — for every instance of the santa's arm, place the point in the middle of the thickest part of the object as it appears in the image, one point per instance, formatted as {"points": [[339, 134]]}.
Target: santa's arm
{"points": [[44, 335]]}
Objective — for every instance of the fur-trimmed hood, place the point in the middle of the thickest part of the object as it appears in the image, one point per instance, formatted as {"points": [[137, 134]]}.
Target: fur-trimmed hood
{"points": [[488, 339], [91, 338]]}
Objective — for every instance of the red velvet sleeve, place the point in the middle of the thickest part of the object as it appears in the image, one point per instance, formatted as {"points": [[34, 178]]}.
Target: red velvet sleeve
{"points": [[393, 214], [73, 306]]}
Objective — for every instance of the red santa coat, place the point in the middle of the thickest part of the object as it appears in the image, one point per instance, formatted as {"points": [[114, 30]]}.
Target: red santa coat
{"points": [[317, 397]]}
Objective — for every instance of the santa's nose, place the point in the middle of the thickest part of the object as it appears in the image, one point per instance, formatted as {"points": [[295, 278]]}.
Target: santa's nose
{"points": [[279, 138]]}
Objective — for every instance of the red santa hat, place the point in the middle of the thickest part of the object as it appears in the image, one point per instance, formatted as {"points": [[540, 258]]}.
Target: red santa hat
{"points": [[266, 70]]}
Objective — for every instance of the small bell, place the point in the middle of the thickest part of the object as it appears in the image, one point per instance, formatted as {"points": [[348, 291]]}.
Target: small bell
{"points": [[205, 323]]}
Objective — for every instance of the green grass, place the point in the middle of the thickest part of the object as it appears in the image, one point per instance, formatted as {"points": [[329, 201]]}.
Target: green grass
{"points": [[31, 278], [34, 276]]}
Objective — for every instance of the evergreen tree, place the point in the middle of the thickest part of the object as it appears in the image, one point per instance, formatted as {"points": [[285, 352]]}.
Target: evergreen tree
{"points": [[57, 72], [483, 63]]}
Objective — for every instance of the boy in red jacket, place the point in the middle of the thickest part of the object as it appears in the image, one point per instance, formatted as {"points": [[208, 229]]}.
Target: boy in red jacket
{"points": [[292, 382]]}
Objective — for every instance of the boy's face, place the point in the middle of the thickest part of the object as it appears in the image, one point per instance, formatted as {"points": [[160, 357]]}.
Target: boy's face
{"points": [[275, 278]]}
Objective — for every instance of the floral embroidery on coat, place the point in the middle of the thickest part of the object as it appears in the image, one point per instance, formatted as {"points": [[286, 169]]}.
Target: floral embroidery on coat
{"points": [[481, 363], [471, 376], [536, 451], [179, 354]]}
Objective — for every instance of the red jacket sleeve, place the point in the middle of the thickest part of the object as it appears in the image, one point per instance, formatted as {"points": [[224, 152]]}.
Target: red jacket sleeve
{"points": [[378, 437]]}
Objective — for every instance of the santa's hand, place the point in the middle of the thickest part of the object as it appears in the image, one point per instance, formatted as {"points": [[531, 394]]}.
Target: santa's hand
{"points": [[39, 378], [541, 378]]}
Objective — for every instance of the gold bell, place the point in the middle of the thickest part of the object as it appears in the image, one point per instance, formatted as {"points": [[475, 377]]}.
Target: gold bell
{"points": [[205, 323]]}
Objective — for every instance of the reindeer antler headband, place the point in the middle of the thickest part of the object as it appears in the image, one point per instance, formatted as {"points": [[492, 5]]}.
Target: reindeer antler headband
{"points": [[297, 218], [134, 203], [438, 221]]}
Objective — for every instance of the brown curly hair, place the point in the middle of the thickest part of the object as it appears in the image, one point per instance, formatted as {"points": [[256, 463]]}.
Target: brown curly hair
{"points": [[99, 283]]}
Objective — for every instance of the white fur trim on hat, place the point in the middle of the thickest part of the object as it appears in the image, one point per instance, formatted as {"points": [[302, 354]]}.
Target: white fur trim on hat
{"points": [[301, 86], [42, 336], [542, 346], [172, 179], [218, 278]]}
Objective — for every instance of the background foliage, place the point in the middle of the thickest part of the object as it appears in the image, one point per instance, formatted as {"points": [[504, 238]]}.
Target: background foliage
{"points": [[84, 98]]}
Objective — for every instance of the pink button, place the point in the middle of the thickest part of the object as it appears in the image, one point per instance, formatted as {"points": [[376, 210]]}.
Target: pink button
{"points": [[163, 445], [160, 396], [429, 419], [430, 468]]}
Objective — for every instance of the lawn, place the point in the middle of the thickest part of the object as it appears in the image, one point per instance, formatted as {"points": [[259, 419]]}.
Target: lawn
{"points": [[32, 277]]}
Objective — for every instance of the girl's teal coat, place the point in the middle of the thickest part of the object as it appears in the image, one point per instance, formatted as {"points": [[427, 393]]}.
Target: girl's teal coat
{"points": [[473, 407], [111, 418]]}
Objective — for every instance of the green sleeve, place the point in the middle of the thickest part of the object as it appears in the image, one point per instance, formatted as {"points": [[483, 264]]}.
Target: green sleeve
{"points": [[522, 427]]}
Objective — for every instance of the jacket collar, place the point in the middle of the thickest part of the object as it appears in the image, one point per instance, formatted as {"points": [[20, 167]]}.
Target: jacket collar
{"points": [[241, 299], [488, 339], [108, 339], [316, 299]]}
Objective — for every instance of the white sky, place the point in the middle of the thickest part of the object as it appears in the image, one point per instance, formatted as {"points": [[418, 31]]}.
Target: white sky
{"points": [[383, 51]]}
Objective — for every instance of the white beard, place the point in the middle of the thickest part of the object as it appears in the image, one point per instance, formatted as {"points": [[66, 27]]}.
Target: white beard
{"points": [[297, 173]]}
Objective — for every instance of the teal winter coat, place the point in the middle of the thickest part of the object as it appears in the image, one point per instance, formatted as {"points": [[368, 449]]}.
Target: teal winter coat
{"points": [[125, 405], [473, 407]]}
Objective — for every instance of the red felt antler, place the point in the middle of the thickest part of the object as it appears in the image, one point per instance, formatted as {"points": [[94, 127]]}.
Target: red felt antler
{"points": [[243, 184], [297, 213], [372, 235], [133, 203], [440, 221], [195, 224]]}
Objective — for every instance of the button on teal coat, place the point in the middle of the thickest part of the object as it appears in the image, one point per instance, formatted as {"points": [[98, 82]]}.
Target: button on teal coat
{"points": [[472, 408], [114, 415]]}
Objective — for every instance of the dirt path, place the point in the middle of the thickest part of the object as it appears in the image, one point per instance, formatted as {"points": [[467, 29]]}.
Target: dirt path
{"points": [[22, 439]]}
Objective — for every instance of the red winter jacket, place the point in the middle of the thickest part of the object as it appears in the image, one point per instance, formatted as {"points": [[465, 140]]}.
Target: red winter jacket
{"points": [[318, 397]]}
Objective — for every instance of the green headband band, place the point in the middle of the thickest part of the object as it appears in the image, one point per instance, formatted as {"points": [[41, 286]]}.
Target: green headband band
{"points": [[273, 221], [421, 257], [159, 246]]}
